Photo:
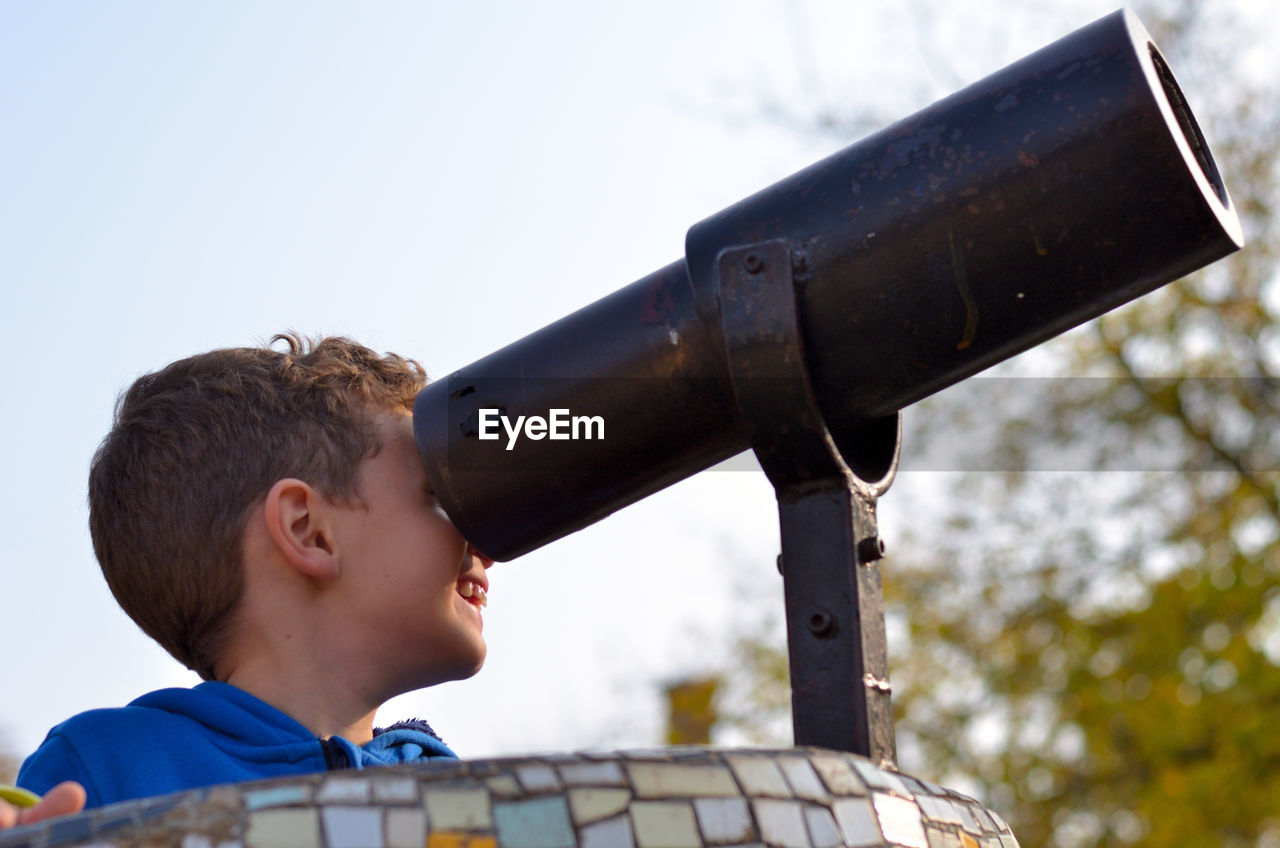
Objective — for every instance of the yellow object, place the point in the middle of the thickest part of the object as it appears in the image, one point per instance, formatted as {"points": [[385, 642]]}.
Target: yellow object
{"points": [[18, 796]]}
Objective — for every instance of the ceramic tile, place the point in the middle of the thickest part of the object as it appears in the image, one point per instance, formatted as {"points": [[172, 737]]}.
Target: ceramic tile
{"points": [[872, 776], [802, 778], [822, 827], [448, 839], [967, 841], [900, 820], [930, 806], [352, 827], [589, 805], [990, 841], [967, 821], [111, 817], [661, 780], [343, 790], [942, 839], [559, 757], [406, 828], [611, 833], [504, 786], [898, 785], [154, 808], [837, 775], [984, 821], [277, 796], [458, 809], [657, 755], [196, 840], [664, 824], [538, 778], [1007, 840], [538, 823], [781, 823], [724, 820], [592, 774], [857, 822], [949, 811], [70, 828], [283, 829], [914, 786], [398, 790], [759, 776]]}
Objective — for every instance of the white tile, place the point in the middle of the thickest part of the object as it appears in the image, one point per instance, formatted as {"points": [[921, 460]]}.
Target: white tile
{"points": [[589, 805], [612, 833], [670, 780], [458, 809], [781, 823], [664, 824], [900, 821], [352, 827], [759, 775], [724, 821]]}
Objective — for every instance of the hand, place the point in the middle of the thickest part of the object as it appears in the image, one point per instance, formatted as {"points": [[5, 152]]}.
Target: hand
{"points": [[62, 800]]}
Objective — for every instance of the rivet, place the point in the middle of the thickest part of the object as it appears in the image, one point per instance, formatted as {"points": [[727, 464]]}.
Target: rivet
{"points": [[870, 549]]}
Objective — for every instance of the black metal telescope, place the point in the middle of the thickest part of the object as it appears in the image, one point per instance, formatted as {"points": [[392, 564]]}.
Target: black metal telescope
{"points": [[803, 319], [1046, 194]]}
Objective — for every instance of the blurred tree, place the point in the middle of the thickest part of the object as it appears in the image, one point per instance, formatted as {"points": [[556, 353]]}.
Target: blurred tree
{"points": [[1092, 646]]}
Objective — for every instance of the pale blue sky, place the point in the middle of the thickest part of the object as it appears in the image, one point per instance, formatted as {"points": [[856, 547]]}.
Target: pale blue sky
{"points": [[434, 179]]}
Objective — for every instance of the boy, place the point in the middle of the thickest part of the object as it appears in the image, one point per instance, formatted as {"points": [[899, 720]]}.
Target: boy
{"points": [[265, 517]]}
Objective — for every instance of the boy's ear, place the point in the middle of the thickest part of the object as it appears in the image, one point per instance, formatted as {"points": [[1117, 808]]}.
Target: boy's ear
{"points": [[299, 524]]}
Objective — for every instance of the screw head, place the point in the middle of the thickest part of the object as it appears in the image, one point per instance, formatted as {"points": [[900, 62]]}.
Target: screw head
{"points": [[753, 263], [822, 624]]}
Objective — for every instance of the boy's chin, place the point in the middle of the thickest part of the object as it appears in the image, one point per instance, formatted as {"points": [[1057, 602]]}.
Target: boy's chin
{"points": [[463, 669]]}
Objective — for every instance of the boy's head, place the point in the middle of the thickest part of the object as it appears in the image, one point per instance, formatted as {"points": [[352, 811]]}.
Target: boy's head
{"points": [[197, 444]]}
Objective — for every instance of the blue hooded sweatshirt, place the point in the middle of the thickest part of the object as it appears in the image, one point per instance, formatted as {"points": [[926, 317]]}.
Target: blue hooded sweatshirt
{"points": [[177, 739]]}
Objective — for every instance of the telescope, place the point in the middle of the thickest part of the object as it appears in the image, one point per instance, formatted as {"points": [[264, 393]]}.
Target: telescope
{"points": [[803, 319]]}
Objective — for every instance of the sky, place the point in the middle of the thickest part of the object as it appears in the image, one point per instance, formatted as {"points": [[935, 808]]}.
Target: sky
{"points": [[434, 179]]}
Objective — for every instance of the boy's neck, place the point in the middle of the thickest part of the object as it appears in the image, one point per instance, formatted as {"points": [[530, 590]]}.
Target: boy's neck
{"points": [[326, 709]]}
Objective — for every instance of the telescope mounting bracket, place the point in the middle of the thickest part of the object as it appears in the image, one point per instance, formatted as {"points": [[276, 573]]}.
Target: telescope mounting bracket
{"points": [[836, 638]]}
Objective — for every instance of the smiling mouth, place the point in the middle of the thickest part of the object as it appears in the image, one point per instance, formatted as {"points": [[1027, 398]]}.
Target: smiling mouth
{"points": [[474, 593]]}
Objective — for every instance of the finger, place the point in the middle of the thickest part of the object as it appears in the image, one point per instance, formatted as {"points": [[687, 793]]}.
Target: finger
{"points": [[62, 800], [8, 815]]}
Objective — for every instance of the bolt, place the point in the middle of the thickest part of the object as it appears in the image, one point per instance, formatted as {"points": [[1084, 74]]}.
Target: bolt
{"points": [[821, 624], [870, 549], [753, 263]]}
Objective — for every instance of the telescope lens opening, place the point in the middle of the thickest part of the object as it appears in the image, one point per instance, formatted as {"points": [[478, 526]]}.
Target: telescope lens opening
{"points": [[1187, 123]]}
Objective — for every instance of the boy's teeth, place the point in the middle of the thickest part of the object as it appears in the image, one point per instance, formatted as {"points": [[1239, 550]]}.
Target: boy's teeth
{"points": [[474, 590]]}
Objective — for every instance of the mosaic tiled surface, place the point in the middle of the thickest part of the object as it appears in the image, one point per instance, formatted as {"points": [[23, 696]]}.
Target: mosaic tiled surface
{"points": [[668, 798]]}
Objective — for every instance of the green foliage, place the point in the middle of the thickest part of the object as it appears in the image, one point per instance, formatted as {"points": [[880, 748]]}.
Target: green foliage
{"points": [[1096, 651]]}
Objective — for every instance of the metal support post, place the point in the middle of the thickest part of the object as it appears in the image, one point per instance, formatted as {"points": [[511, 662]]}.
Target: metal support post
{"points": [[830, 545]]}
